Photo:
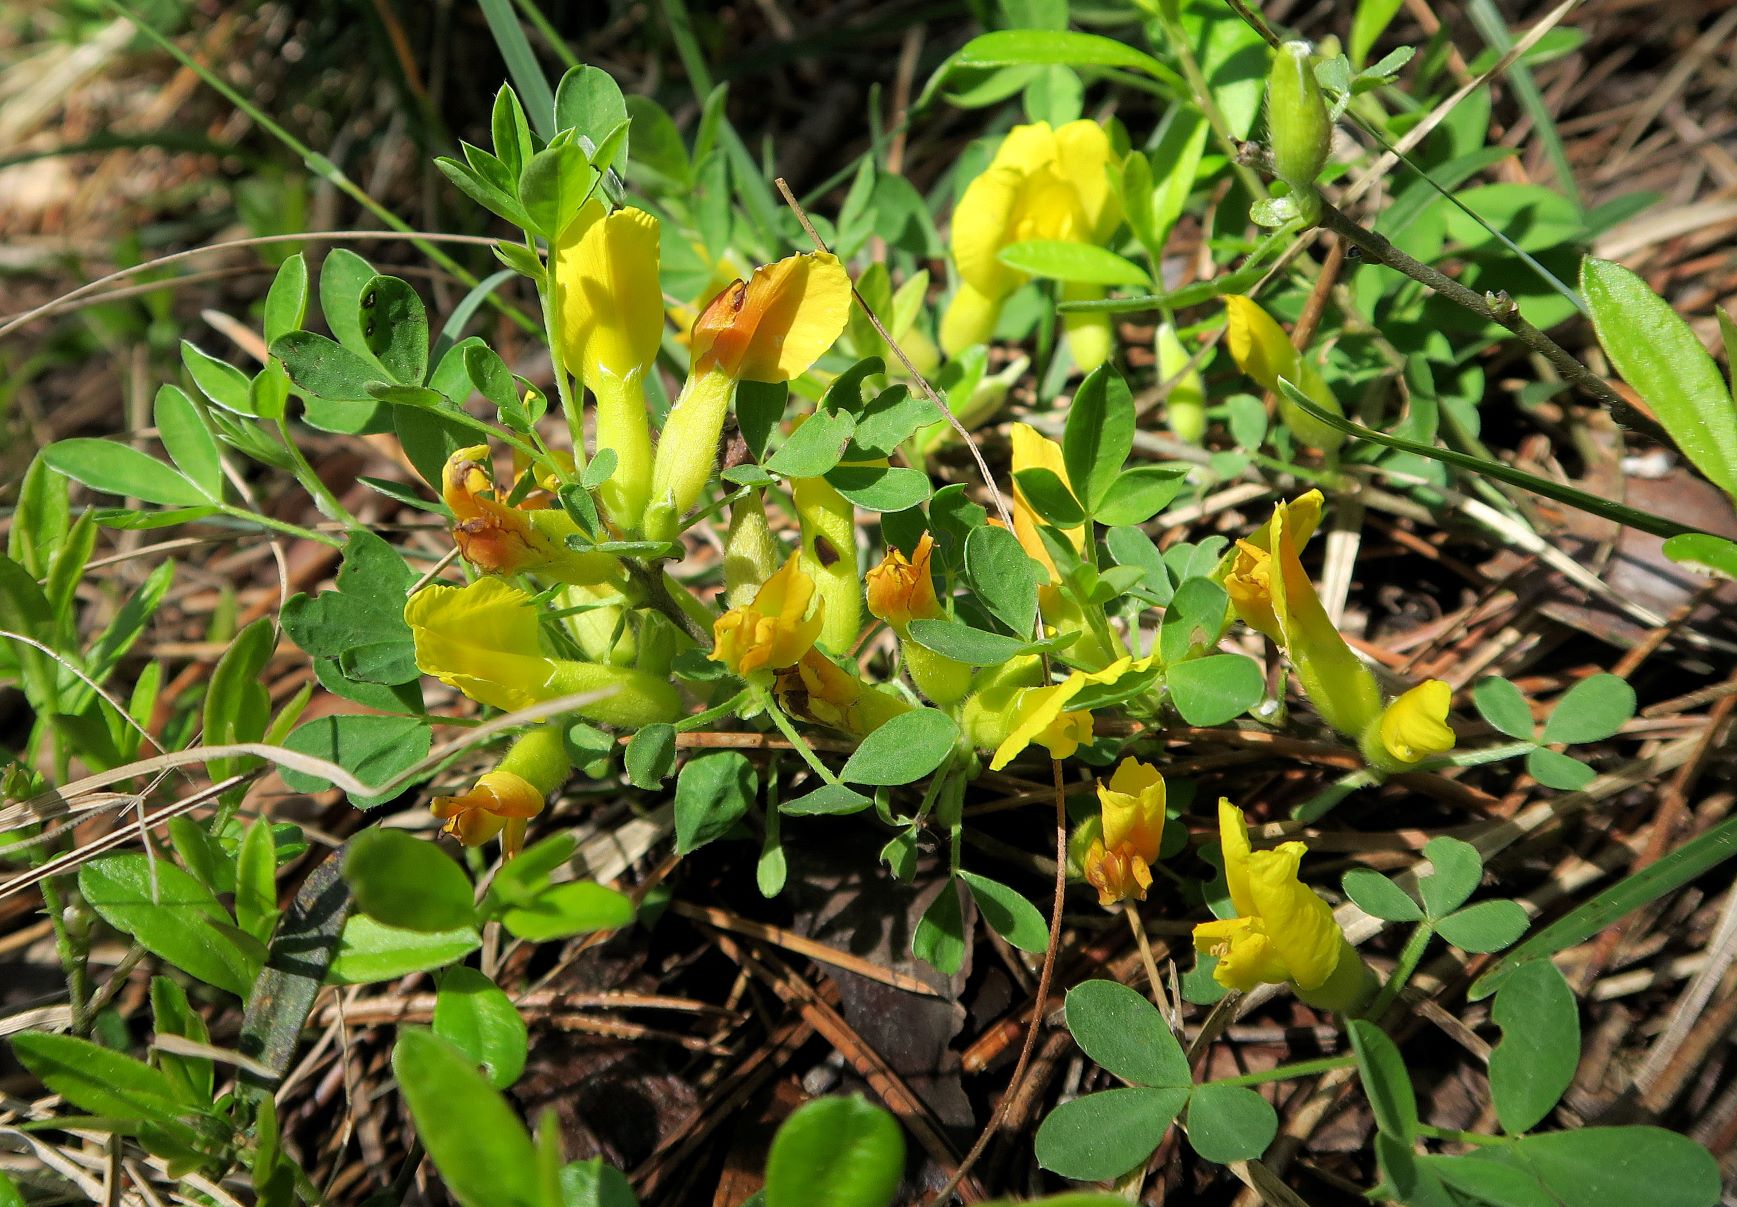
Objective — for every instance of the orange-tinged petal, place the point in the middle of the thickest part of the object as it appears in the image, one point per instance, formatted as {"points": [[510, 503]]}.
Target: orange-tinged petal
{"points": [[778, 324], [1119, 874], [901, 590], [1132, 806]]}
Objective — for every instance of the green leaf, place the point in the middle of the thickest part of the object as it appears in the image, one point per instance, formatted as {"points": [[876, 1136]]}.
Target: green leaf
{"points": [[237, 704], [1064, 260], [650, 756], [1661, 357], [712, 793], [891, 418], [815, 447], [554, 187], [1486, 926], [879, 487], [962, 643], [836, 1152], [1670, 873], [476, 1017], [1004, 576], [520, 879], [1373, 16], [117, 469], [326, 369], [1379, 897], [372, 748], [1458, 869], [286, 302], [1385, 1081], [1230, 1123], [370, 951], [221, 382], [1009, 915], [1193, 621], [395, 324], [903, 750], [1098, 436], [475, 1139], [826, 799], [1504, 706], [1138, 494], [256, 882], [589, 101], [1016, 47], [96, 1079], [595, 1183], [575, 907], [1482, 1181], [188, 441], [361, 624], [1050, 497], [1540, 1047], [172, 1014], [1598, 1166], [1215, 689], [1591, 710], [1714, 552], [1561, 771], [940, 934], [407, 882], [1123, 1032], [171, 915], [1104, 1135]]}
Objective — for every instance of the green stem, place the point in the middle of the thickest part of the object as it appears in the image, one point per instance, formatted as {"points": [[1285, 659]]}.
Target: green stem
{"points": [[1451, 1134], [796, 740], [1408, 961], [552, 330], [323, 496], [283, 526], [72, 957], [1203, 97], [702, 719], [1302, 1068]]}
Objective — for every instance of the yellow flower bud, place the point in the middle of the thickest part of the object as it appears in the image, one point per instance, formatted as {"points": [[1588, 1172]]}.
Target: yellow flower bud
{"points": [[1415, 726], [1041, 714], [1262, 350], [775, 630], [750, 550], [1185, 405]]}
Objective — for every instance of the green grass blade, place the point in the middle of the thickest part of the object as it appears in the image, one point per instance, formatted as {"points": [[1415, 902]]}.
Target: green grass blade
{"points": [[1495, 32], [522, 65]]}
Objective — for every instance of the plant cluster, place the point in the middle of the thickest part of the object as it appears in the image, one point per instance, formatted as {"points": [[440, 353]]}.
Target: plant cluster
{"points": [[808, 415]]}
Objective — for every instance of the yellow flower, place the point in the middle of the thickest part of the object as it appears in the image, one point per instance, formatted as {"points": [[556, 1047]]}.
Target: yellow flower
{"points": [[505, 799], [611, 313], [1415, 726], [1041, 714], [484, 640], [499, 799], [776, 324], [1262, 350], [1119, 860], [775, 630], [770, 328], [1271, 592], [1033, 450], [1043, 183], [1282, 930], [500, 539], [901, 590], [818, 690]]}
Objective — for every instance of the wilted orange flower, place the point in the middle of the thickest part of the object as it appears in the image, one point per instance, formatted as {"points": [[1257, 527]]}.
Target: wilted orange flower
{"points": [[901, 590], [777, 323], [1118, 863], [501, 803]]}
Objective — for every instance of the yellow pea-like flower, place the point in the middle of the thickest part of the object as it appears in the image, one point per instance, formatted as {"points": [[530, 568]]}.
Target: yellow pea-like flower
{"points": [[1042, 715], [484, 640], [1415, 726], [1043, 183], [611, 316], [1118, 862], [773, 631], [504, 800], [1283, 931]]}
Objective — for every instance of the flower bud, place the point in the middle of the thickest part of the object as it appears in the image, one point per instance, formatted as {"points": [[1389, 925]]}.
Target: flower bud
{"points": [[1185, 405], [1297, 120], [750, 550]]}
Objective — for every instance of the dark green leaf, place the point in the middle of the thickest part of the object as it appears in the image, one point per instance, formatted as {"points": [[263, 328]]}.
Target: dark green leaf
{"points": [[326, 369], [1486, 926], [1099, 435], [1050, 497], [1194, 620], [576, 907], [1064, 260], [188, 441], [1230, 1123], [815, 447], [407, 882], [903, 750], [1458, 869], [828, 798], [171, 915], [1501, 704], [589, 101], [554, 186], [96, 1079], [1591, 710], [1599, 1166], [395, 325], [1540, 1047], [836, 1152], [221, 382], [1125, 1034], [372, 748], [1716, 553], [962, 643], [1385, 1081], [1004, 576], [712, 793], [1215, 689], [1140, 493], [1557, 770], [650, 756], [940, 934], [879, 487], [1103, 1136], [1379, 897], [1009, 915], [256, 882], [286, 302]]}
